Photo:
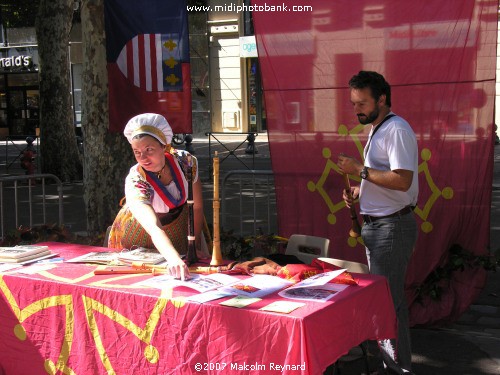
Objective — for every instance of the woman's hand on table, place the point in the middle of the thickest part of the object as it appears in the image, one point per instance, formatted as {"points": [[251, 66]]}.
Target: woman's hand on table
{"points": [[178, 269]]}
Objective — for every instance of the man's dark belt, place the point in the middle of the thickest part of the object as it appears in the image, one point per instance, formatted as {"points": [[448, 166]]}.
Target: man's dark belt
{"points": [[171, 215], [401, 212]]}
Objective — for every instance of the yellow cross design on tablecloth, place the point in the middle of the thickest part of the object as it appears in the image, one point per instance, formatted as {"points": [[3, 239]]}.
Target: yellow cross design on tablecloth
{"points": [[91, 306]]}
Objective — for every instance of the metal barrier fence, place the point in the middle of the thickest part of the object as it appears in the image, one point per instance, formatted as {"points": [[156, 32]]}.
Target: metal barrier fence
{"points": [[22, 198], [228, 146], [248, 199]]}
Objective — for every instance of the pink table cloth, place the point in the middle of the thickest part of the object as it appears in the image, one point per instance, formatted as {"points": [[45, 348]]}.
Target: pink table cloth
{"points": [[66, 320]]}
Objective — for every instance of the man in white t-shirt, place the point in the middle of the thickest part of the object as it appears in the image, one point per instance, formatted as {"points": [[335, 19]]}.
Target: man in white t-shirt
{"points": [[387, 195]]}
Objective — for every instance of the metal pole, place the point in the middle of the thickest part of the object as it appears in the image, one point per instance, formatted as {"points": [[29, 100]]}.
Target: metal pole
{"points": [[1, 206], [15, 202]]}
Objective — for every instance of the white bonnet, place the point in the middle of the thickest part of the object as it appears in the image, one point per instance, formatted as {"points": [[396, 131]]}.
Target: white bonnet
{"points": [[151, 124]]}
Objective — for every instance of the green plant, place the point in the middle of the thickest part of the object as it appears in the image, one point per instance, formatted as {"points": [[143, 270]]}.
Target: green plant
{"points": [[235, 247], [459, 260], [47, 233]]}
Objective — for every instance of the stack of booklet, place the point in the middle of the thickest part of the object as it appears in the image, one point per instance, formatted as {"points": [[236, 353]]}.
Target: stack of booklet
{"points": [[24, 253], [142, 255]]}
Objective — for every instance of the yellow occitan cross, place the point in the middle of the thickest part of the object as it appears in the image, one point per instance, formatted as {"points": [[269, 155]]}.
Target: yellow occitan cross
{"points": [[170, 44], [422, 210], [172, 79], [171, 62]]}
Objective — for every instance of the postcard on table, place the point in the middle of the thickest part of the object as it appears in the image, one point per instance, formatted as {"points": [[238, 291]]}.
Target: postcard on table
{"points": [[258, 286], [240, 301], [284, 307], [211, 295]]}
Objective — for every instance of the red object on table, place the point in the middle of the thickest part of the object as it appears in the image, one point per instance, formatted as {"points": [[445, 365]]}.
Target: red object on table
{"points": [[66, 319]]}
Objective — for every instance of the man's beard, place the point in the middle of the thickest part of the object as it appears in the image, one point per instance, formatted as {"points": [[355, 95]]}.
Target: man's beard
{"points": [[368, 119]]}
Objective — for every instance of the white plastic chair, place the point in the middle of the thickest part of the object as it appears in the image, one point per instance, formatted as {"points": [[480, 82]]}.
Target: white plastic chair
{"points": [[348, 265], [307, 248]]}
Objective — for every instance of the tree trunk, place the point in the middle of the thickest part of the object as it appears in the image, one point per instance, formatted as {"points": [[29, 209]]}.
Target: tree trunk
{"points": [[107, 156], [58, 145]]}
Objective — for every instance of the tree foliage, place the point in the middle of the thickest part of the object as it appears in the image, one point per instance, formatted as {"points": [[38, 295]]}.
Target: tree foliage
{"points": [[18, 13]]}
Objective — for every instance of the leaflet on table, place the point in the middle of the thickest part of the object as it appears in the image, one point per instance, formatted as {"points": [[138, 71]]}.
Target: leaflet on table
{"points": [[284, 307], [35, 268], [316, 288], [5, 267], [240, 301], [257, 286], [211, 295], [200, 283]]}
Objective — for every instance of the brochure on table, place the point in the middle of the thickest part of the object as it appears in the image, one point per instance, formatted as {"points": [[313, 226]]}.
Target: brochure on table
{"points": [[200, 283], [316, 288], [257, 286]]}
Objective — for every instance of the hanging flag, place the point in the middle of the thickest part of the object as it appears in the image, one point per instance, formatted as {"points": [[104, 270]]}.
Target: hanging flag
{"points": [[148, 61], [440, 58]]}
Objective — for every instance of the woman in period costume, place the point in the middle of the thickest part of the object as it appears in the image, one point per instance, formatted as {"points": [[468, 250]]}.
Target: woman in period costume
{"points": [[155, 214]]}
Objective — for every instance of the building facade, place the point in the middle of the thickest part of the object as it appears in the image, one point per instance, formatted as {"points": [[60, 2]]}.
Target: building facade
{"points": [[225, 81]]}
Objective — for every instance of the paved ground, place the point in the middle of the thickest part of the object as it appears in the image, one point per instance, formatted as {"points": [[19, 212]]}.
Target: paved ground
{"points": [[470, 346]]}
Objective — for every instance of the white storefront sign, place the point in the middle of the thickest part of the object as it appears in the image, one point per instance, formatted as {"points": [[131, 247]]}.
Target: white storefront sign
{"points": [[248, 46]]}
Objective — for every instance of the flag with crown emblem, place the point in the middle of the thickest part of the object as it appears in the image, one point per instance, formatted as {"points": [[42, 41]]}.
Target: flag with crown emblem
{"points": [[148, 61]]}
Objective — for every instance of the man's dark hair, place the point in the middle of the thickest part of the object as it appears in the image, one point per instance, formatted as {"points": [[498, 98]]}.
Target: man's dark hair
{"points": [[373, 80]]}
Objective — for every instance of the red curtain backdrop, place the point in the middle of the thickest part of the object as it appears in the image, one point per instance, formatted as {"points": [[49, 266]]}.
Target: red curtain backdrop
{"points": [[147, 50], [440, 58]]}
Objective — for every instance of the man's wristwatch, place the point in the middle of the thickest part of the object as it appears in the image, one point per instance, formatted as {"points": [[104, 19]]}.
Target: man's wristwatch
{"points": [[364, 173]]}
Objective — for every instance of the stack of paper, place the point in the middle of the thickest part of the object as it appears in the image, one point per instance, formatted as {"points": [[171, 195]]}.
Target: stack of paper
{"points": [[23, 253]]}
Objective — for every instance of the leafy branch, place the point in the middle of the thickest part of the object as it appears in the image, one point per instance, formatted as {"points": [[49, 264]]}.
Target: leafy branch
{"points": [[459, 260]]}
